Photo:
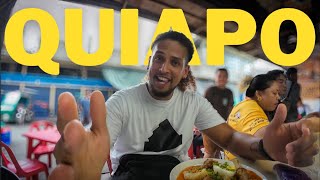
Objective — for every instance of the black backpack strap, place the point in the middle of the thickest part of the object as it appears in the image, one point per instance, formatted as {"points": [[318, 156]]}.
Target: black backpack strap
{"points": [[139, 166]]}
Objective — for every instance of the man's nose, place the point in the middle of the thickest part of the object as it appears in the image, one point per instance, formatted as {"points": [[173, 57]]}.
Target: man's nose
{"points": [[164, 67]]}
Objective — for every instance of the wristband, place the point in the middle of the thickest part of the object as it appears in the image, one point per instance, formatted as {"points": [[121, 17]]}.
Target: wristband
{"points": [[261, 149]]}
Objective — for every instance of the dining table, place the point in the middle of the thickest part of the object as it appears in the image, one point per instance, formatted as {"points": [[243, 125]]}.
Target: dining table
{"points": [[50, 135], [266, 167]]}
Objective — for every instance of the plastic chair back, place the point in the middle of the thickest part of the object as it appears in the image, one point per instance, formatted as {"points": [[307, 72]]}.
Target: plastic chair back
{"points": [[190, 152], [5, 160], [39, 125], [29, 168]]}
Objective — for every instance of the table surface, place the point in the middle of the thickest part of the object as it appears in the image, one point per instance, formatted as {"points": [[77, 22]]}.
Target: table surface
{"points": [[48, 135], [266, 167]]}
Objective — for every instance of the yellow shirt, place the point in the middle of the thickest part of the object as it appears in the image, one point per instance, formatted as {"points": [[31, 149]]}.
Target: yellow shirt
{"points": [[247, 117]]}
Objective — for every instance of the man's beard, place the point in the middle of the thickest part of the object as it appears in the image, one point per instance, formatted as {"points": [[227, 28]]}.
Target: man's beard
{"points": [[161, 94]]}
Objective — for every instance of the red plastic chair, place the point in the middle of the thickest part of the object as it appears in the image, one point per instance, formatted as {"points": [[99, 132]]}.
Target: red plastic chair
{"points": [[41, 125], [23, 168], [190, 152], [198, 152], [109, 164], [43, 148]]}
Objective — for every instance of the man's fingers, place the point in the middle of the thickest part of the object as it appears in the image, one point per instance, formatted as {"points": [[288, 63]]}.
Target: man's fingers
{"points": [[74, 136], [313, 114], [58, 151], [308, 152], [280, 116], [305, 131], [306, 140], [70, 142], [98, 112], [298, 151], [313, 123], [67, 110]]}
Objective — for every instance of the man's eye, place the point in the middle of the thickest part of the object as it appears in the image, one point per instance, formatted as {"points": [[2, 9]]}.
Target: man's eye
{"points": [[175, 63], [157, 58]]}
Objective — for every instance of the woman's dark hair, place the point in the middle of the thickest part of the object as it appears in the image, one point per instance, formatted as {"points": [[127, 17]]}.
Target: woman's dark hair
{"points": [[176, 36], [259, 83]]}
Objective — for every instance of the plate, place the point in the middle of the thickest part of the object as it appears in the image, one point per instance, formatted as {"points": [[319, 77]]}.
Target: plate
{"points": [[178, 168]]}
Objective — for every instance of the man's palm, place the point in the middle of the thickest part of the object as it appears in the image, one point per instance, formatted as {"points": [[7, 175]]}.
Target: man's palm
{"points": [[81, 153]]}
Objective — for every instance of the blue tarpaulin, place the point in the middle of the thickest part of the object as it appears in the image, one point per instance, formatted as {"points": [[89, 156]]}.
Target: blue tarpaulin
{"points": [[47, 79]]}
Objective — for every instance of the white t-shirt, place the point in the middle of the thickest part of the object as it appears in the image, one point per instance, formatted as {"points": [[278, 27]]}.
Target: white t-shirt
{"points": [[140, 124]]}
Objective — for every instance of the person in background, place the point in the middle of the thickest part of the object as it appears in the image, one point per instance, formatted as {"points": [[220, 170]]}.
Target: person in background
{"points": [[197, 142], [281, 79], [293, 95], [249, 115], [85, 108], [221, 99], [301, 109], [219, 95]]}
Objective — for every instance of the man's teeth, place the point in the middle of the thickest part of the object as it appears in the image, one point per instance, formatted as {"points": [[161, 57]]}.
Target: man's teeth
{"points": [[163, 79]]}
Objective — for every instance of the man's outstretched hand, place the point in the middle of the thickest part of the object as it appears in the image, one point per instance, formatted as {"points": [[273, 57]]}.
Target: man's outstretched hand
{"points": [[292, 143], [81, 153]]}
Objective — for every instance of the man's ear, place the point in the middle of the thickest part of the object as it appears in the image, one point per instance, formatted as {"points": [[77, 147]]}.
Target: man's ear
{"points": [[186, 71], [149, 63]]}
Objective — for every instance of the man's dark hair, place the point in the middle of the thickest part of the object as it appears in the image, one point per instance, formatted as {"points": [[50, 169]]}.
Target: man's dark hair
{"points": [[291, 70], [224, 70], [176, 36], [274, 74]]}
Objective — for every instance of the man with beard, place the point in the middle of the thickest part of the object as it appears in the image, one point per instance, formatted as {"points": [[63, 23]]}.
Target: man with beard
{"points": [[150, 125]]}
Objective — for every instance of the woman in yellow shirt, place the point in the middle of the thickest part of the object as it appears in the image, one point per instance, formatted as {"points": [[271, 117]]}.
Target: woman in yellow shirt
{"points": [[249, 115]]}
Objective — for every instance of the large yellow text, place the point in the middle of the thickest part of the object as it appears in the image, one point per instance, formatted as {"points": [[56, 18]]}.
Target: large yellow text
{"points": [[217, 38]]}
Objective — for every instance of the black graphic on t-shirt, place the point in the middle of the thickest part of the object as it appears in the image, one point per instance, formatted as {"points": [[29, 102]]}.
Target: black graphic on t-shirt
{"points": [[163, 138]]}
